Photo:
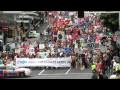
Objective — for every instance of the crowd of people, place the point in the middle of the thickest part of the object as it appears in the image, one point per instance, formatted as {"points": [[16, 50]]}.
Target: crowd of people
{"points": [[85, 40]]}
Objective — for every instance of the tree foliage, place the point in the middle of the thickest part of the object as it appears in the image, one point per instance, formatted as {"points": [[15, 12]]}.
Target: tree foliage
{"points": [[111, 20]]}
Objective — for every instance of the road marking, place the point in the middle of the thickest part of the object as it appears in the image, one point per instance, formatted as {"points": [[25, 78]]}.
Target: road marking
{"points": [[58, 74], [41, 72], [68, 71], [64, 77], [42, 76], [81, 73]]}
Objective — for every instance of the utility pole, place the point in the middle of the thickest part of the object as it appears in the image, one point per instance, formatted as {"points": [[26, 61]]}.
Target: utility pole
{"points": [[15, 28], [119, 21]]}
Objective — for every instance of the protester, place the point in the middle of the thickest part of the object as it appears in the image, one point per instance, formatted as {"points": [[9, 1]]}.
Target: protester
{"points": [[85, 40]]}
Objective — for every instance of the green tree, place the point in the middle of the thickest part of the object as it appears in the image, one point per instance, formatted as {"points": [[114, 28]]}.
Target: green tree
{"points": [[110, 20]]}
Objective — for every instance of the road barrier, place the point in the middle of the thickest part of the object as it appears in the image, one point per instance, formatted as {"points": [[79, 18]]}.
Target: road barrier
{"points": [[46, 62]]}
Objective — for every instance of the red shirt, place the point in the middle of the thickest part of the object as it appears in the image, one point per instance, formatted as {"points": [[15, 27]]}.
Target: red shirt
{"points": [[99, 67]]}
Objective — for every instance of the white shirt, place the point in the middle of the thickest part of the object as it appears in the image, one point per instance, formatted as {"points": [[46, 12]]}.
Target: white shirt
{"points": [[114, 64], [113, 77], [59, 50], [61, 53]]}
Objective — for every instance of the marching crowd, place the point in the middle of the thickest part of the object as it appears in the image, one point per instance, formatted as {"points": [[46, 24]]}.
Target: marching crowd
{"points": [[85, 40]]}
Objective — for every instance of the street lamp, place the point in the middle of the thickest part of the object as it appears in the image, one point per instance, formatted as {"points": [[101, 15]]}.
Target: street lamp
{"points": [[15, 27], [119, 21]]}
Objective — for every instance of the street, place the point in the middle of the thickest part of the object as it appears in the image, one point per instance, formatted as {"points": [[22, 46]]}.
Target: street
{"points": [[67, 73]]}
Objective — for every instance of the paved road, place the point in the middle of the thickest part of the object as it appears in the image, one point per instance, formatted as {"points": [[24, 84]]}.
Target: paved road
{"points": [[67, 73]]}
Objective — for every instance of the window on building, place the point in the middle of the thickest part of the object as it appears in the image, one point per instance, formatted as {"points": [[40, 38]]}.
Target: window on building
{"points": [[1, 33]]}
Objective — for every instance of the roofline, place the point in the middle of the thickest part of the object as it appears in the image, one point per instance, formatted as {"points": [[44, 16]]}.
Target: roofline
{"points": [[101, 11]]}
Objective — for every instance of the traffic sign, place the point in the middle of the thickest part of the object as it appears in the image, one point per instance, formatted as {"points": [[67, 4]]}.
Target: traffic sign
{"points": [[5, 28]]}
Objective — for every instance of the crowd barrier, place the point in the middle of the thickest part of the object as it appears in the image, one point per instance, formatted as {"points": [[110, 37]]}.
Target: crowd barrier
{"points": [[46, 62]]}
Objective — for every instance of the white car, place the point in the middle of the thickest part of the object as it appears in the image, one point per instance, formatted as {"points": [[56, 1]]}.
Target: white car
{"points": [[13, 71]]}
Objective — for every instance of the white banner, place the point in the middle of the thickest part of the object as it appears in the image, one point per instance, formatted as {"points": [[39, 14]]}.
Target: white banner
{"points": [[46, 62]]}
